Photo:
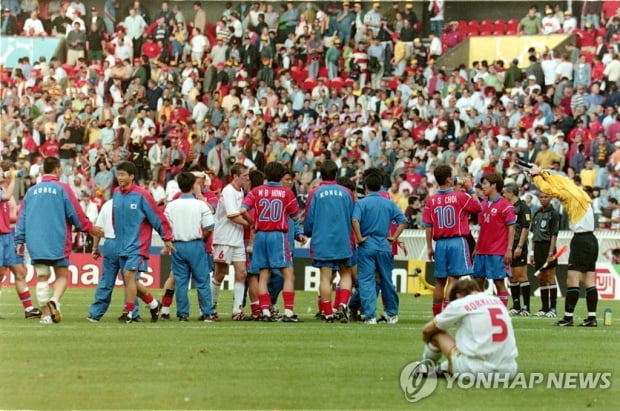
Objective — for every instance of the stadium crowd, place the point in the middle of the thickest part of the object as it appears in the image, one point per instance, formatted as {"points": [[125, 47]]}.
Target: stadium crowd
{"points": [[299, 84]]}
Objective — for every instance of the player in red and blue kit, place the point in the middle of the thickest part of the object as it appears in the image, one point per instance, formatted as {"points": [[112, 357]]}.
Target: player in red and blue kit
{"points": [[328, 222], [493, 253], [49, 209], [371, 220], [135, 216], [274, 204], [8, 253], [446, 218]]}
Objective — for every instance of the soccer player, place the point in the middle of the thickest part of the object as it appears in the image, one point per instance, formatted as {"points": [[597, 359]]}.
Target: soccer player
{"points": [[273, 204], [371, 221], [110, 267], [8, 254], [484, 341], [493, 252], [545, 228], [228, 245], [328, 222], [446, 218], [135, 216], [519, 283], [192, 223], [583, 246], [295, 232], [48, 211]]}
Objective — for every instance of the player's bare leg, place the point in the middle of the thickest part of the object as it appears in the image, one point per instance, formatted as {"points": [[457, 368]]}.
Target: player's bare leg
{"points": [[502, 293], [572, 297], [166, 299], [131, 291], [253, 294], [438, 295], [288, 295], [219, 273], [263, 293], [21, 287], [239, 290], [344, 292], [325, 293], [446, 292], [153, 304]]}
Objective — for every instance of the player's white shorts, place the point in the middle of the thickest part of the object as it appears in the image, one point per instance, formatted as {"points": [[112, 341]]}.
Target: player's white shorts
{"points": [[228, 254], [462, 364]]}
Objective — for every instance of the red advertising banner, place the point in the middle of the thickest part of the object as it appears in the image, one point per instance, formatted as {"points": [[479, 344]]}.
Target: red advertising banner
{"points": [[85, 271]]}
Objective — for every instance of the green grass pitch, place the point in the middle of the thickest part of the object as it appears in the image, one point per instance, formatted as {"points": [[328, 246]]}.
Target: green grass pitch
{"points": [[245, 365]]}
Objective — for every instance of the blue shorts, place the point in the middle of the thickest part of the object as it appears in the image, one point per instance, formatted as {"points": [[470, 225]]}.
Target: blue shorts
{"points": [[491, 267], [335, 264], [271, 250], [8, 251], [452, 257], [133, 263], [63, 262]]}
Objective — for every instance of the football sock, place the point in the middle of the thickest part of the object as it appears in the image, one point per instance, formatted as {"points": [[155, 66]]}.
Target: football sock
{"points": [[238, 294], [572, 296], [265, 301], [255, 307], [437, 306], [342, 297], [553, 296], [503, 296], [129, 307], [43, 291], [215, 291], [289, 302], [591, 301], [431, 352], [544, 298], [148, 299], [525, 291], [26, 299], [445, 304], [326, 308], [166, 300], [515, 291]]}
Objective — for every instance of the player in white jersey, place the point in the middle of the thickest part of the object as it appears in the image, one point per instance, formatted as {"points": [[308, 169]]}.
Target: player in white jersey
{"points": [[228, 244], [484, 341]]}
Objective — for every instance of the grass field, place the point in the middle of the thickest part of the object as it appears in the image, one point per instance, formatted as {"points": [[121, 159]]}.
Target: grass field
{"points": [[230, 365]]}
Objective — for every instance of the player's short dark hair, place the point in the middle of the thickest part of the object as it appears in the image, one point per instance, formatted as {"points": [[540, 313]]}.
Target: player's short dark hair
{"points": [[463, 287], [257, 178], [237, 169], [374, 170], [346, 182], [494, 178], [373, 182], [274, 172], [50, 164], [186, 181], [442, 173], [612, 200], [126, 166], [329, 169]]}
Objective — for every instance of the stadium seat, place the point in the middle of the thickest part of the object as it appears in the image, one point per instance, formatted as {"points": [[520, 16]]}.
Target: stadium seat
{"points": [[498, 33], [310, 83], [323, 72], [485, 33], [473, 24], [486, 25], [337, 83], [393, 83], [513, 25], [499, 25], [472, 31], [510, 33], [349, 82]]}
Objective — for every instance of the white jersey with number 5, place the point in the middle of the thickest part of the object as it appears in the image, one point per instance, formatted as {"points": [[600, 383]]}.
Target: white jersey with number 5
{"points": [[484, 336], [227, 232]]}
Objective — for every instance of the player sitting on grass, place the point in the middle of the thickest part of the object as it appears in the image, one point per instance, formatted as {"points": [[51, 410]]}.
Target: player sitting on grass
{"points": [[484, 342]]}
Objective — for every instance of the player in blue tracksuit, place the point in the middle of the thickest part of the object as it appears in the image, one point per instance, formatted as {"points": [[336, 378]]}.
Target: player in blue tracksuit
{"points": [[49, 209], [110, 267], [135, 215], [328, 222], [372, 217]]}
